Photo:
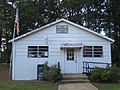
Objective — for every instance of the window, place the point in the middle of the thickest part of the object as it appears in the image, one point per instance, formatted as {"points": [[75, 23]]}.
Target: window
{"points": [[38, 51], [70, 54], [98, 51], [43, 51], [92, 51], [62, 29], [87, 51], [32, 51]]}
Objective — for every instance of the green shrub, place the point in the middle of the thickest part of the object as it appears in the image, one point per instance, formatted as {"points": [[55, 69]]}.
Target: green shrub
{"points": [[48, 76], [114, 74], [52, 73], [96, 74], [47, 73], [110, 74], [46, 67], [56, 73], [104, 75]]}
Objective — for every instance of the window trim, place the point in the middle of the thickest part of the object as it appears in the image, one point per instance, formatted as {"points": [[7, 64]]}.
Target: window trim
{"points": [[93, 52], [38, 51]]}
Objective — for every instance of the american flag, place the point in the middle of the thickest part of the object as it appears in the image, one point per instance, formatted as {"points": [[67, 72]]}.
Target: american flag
{"points": [[17, 22]]}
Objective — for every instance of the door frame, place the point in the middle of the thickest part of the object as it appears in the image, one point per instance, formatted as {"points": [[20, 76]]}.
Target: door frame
{"points": [[75, 61]]}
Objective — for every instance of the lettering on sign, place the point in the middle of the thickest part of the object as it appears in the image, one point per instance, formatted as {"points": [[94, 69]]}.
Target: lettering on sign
{"points": [[71, 45]]}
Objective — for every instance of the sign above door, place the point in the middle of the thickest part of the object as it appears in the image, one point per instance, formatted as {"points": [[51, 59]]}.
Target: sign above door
{"points": [[71, 45]]}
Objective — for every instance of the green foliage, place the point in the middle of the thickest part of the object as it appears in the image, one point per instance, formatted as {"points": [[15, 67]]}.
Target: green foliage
{"points": [[96, 74], [114, 74], [56, 73], [110, 74], [52, 73], [104, 75], [47, 72], [46, 68], [48, 76]]}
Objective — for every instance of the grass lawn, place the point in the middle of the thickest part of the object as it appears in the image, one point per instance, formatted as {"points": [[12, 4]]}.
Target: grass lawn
{"points": [[34, 85], [26, 85], [23, 85], [103, 86]]}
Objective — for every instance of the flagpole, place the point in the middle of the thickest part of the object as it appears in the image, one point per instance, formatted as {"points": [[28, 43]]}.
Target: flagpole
{"points": [[13, 43], [12, 60]]}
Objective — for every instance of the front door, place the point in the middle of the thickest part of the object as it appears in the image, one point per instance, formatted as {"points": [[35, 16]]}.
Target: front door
{"points": [[71, 60]]}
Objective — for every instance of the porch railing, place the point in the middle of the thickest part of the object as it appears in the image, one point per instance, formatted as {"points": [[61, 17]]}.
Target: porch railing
{"points": [[87, 67]]}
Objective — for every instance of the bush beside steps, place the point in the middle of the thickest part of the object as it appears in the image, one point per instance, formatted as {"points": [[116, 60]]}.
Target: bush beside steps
{"points": [[51, 74], [109, 74]]}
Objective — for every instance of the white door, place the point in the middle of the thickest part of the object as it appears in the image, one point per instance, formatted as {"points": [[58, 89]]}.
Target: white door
{"points": [[70, 60]]}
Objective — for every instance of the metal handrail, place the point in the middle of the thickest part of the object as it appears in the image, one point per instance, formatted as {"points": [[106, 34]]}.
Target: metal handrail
{"points": [[87, 69]]}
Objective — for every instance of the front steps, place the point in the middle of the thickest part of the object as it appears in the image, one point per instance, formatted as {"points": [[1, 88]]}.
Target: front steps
{"points": [[74, 78]]}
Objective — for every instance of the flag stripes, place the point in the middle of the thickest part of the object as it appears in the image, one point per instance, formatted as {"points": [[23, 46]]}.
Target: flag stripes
{"points": [[17, 22]]}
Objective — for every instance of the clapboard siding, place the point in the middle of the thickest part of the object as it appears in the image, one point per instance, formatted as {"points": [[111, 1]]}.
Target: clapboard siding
{"points": [[87, 42], [75, 39]]}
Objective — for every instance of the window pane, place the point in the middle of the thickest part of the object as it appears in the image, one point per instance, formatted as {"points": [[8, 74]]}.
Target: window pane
{"points": [[87, 51], [98, 51], [70, 54], [32, 51], [87, 47], [88, 55], [32, 48], [43, 51], [43, 48], [98, 55], [97, 48]]}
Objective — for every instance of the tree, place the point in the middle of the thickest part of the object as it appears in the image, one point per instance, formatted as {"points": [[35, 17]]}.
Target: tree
{"points": [[96, 15], [1, 27], [6, 23], [114, 10]]}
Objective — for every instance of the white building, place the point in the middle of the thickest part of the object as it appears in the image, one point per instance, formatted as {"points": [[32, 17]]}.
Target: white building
{"points": [[60, 41]]}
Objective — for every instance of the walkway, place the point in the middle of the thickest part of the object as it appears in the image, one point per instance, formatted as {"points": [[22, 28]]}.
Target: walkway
{"points": [[77, 86]]}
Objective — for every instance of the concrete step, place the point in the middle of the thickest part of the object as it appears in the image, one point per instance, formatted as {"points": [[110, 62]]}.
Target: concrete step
{"points": [[74, 81], [74, 78], [70, 76]]}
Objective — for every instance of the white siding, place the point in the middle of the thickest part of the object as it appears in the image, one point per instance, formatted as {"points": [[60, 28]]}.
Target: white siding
{"points": [[26, 68]]}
